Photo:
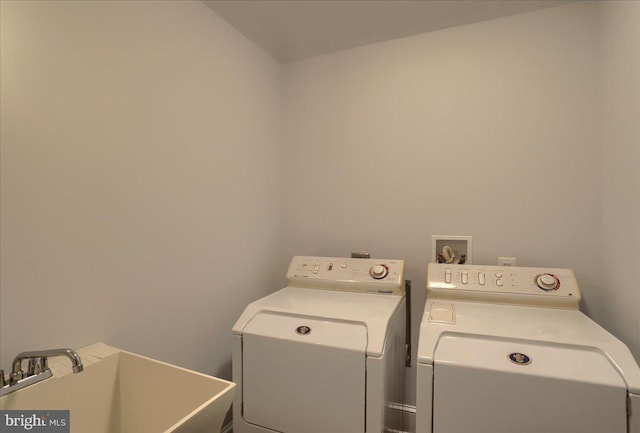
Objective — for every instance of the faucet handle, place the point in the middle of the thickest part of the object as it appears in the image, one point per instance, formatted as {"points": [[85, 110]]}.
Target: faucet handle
{"points": [[16, 376], [41, 364], [37, 365], [31, 367], [2, 380]]}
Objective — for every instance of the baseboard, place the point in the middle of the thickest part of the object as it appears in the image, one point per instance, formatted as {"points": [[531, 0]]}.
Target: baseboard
{"points": [[228, 428], [408, 414], [408, 420]]}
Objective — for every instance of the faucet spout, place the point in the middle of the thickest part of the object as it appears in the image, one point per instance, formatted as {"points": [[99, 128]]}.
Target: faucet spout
{"points": [[76, 362]]}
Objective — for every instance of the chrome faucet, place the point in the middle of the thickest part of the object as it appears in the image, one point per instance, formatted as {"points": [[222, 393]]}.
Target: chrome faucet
{"points": [[42, 355], [37, 369]]}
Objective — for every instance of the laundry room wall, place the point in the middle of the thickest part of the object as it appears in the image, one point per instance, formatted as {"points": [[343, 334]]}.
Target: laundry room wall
{"points": [[140, 156], [490, 130], [140, 178], [620, 21]]}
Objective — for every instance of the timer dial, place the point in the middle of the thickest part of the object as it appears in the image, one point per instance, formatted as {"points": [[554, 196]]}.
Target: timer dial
{"points": [[379, 271], [547, 282]]}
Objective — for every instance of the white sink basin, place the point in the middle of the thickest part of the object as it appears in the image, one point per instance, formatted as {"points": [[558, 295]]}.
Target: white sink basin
{"points": [[120, 392]]}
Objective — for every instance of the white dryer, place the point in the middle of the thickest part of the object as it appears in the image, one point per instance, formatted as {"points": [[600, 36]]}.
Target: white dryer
{"points": [[506, 349], [326, 354]]}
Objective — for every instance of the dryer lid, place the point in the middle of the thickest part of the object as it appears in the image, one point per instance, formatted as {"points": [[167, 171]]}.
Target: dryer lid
{"points": [[303, 375], [301, 329], [374, 312]]}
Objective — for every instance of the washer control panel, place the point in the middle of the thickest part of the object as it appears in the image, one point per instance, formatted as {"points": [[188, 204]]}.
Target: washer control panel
{"points": [[504, 284], [335, 273]]}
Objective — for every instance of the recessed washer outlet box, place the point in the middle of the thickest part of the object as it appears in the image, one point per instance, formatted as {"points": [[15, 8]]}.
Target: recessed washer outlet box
{"points": [[451, 249]]}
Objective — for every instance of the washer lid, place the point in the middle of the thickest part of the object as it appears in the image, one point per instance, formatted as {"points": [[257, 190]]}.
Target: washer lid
{"points": [[545, 326], [545, 360], [535, 387], [374, 311]]}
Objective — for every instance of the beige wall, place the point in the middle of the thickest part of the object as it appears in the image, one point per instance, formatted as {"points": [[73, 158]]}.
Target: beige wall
{"points": [[489, 129], [141, 156], [140, 160], [620, 22]]}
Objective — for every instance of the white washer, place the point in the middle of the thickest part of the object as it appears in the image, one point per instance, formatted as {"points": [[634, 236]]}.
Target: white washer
{"points": [[325, 354], [504, 349]]}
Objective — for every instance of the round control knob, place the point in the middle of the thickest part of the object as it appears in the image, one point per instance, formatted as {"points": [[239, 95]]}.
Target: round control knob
{"points": [[379, 271], [547, 282]]}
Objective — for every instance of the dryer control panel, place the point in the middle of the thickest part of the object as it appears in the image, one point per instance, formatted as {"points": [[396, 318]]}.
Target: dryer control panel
{"points": [[549, 287], [383, 276]]}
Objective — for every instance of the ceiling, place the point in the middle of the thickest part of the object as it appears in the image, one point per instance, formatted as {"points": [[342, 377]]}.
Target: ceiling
{"points": [[291, 30]]}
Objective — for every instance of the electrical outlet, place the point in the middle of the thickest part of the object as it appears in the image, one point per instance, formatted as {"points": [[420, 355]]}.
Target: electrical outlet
{"points": [[507, 261]]}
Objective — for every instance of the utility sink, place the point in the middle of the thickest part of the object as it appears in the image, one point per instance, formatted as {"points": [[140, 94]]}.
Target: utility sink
{"points": [[121, 392]]}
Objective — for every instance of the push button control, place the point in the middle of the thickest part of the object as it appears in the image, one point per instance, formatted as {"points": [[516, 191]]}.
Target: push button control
{"points": [[465, 277], [447, 276]]}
